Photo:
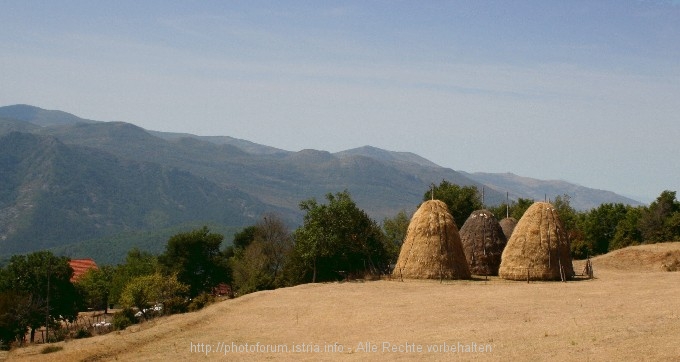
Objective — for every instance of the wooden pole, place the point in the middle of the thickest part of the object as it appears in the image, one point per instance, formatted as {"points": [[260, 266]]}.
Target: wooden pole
{"points": [[47, 310], [507, 204], [527, 275]]}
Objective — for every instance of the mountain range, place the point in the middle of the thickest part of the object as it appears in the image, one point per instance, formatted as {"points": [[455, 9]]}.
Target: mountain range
{"points": [[75, 185]]}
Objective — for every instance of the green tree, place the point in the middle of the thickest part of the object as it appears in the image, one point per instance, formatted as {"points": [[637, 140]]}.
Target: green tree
{"points": [[571, 221], [31, 275], [628, 229], [196, 259], [95, 287], [599, 226], [395, 229], [568, 215], [515, 210], [259, 265], [13, 317], [146, 291], [461, 201], [657, 222], [244, 237], [137, 263], [249, 268], [338, 238]]}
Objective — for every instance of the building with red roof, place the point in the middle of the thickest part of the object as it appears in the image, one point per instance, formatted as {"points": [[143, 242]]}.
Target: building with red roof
{"points": [[80, 267]]}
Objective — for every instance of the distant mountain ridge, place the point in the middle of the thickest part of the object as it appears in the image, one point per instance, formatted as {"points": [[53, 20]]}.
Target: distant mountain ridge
{"points": [[177, 178], [244, 145], [55, 194], [39, 116], [581, 198], [389, 156]]}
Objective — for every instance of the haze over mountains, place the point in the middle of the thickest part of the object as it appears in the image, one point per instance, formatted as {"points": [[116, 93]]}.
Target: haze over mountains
{"points": [[74, 184]]}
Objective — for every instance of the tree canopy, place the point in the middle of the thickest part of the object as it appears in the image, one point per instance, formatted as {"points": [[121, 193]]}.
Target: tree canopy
{"points": [[137, 263], [261, 255], [395, 229], [95, 287], [30, 275], [339, 239], [461, 200], [196, 259], [146, 291]]}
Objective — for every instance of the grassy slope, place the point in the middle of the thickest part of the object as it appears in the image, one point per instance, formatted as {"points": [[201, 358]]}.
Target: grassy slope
{"points": [[620, 315]]}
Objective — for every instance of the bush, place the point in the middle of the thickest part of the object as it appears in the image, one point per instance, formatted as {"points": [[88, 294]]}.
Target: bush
{"points": [[672, 266], [175, 305], [57, 333], [581, 249], [82, 333], [147, 291], [50, 349], [123, 319], [201, 301]]}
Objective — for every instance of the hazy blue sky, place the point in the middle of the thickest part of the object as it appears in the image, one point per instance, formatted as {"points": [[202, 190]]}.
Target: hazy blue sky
{"points": [[583, 91]]}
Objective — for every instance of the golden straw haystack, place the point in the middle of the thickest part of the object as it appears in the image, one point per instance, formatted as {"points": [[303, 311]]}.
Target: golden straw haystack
{"points": [[432, 248], [538, 248], [483, 242], [508, 225]]}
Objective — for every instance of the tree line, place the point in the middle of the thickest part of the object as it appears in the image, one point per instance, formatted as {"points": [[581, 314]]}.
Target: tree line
{"points": [[336, 241]]}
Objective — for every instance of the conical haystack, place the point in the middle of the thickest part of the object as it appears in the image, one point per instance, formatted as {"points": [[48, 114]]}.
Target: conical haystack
{"points": [[483, 242], [508, 225], [538, 248], [432, 248]]}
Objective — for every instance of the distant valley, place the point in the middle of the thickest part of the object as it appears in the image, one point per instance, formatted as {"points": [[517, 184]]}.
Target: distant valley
{"points": [[76, 185]]}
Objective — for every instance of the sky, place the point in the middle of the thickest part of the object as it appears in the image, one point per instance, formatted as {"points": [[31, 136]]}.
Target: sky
{"points": [[582, 91]]}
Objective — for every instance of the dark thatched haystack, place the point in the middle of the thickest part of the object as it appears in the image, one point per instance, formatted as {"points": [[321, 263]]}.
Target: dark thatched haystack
{"points": [[538, 248], [432, 248], [508, 225], [483, 242]]}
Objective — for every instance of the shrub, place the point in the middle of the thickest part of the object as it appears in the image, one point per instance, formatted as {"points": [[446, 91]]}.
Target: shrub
{"points": [[123, 319], [82, 333], [201, 301], [147, 291], [58, 333], [175, 305], [581, 249], [50, 349], [672, 266]]}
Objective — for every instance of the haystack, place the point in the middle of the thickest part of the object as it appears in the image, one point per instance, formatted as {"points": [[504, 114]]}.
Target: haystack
{"points": [[508, 225], [538, 248], [432, 248], [483, 242]]}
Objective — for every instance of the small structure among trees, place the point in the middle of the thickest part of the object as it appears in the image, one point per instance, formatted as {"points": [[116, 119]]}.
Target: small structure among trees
{"points": [[80, 267], [432, 248]]}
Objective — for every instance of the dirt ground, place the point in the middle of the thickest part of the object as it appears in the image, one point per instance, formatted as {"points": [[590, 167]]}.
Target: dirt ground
{"points": [[630, 311]]}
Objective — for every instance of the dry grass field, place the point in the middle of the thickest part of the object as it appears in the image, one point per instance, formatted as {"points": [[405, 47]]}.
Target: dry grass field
{"points": [[630, 311]]}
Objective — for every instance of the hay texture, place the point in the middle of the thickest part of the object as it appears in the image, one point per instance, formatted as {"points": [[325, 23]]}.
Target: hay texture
{"points": [[432, 248], [538, 248], [483, 242], [508, 225]]}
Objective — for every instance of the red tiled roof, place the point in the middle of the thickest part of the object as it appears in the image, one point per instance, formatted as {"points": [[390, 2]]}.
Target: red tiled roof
{"points": [[80, 266]]}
